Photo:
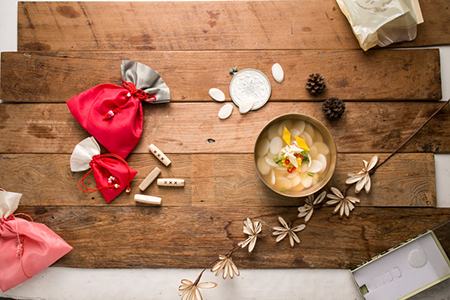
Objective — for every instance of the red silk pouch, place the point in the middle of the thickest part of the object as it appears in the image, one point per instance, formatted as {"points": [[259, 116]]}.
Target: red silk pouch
{"points": [[111, 172], [26, 248], [113, 114]]}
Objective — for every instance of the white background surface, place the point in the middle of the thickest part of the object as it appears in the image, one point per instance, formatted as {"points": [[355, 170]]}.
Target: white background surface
{"points": [[68, 283]]}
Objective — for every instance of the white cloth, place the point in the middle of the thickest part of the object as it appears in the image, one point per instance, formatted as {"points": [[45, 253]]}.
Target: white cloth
{"points": [[83, 153], [9, 202]]}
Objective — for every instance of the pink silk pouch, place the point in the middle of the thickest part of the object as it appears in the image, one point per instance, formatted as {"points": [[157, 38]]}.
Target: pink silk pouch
{"points": [[26, 248]]}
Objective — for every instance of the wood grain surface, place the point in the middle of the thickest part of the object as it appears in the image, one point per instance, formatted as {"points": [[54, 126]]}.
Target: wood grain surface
{"points": [[350, 75], [69, 47], [232, 25], [187, 127], [227, 180], [192, 237]]}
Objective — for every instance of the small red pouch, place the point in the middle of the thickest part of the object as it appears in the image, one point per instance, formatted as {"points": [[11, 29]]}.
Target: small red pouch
{"points": [[113, 114], [111, 172]]}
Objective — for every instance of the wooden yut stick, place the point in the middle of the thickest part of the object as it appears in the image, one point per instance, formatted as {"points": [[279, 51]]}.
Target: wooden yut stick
{"points": [[159, 154], [147, 199], [150, 178], [170, 182]]}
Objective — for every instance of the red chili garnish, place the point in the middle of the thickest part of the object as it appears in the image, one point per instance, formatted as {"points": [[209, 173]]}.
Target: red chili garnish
{"points": [[287, 161], [296, 154], [290, 169]]}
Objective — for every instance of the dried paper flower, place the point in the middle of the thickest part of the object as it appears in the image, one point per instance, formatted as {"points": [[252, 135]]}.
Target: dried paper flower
{"points": [[307, 210], [284, 231], [251, 229], [226, 264], [190, 291], [362, 178], [344, 204]]}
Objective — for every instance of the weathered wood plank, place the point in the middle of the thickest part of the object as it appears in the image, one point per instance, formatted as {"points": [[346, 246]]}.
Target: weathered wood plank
{"points": [[183, 237], [186, 127], [202, 25], [228, 180], [394, 74]]}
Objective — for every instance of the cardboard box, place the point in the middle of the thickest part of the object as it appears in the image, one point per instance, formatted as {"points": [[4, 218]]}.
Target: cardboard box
{"points": [[403, 271]]}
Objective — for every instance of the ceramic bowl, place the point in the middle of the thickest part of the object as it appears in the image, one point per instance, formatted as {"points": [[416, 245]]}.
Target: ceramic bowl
{"points": [[325, 174]]}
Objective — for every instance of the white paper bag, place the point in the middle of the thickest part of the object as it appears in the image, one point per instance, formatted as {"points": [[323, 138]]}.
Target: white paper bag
{"points": [[382, 22]]}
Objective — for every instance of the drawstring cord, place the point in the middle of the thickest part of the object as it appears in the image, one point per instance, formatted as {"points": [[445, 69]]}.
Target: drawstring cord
{"points": [[133, 91], [112, 181], [19, 247], [141, 94], [112, 113]]}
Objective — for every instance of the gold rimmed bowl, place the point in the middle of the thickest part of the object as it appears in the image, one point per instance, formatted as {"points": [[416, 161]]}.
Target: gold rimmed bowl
{"points": [[312, 147]]}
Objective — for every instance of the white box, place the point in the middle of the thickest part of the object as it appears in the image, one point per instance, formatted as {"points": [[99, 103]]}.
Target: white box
{"points": [[403, 271]]}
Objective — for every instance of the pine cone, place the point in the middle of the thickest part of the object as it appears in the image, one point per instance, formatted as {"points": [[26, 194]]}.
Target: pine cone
{"points": [[333, 108], [315, 84]]}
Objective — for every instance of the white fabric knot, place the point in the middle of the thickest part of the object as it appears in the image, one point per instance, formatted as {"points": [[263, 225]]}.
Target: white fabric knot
{"points": [[8, 203], [83, 153]]}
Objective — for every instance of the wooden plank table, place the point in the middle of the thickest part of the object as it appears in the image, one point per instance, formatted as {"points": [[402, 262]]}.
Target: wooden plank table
{"points": [[66, 48]]}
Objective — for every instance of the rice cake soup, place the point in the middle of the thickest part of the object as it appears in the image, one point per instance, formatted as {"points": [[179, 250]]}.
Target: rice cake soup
{"points": [[292, 156]]}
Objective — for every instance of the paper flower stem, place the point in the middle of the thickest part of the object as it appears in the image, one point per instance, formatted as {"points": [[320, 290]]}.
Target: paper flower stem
{"points": [[410, 137], [203, 271], [402, 145], [236, 248]]}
